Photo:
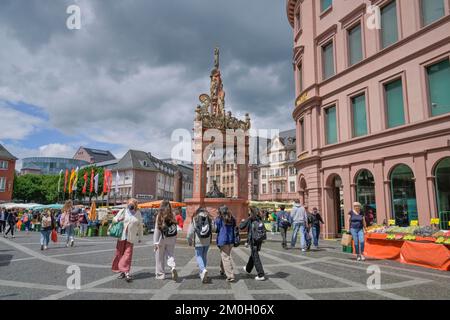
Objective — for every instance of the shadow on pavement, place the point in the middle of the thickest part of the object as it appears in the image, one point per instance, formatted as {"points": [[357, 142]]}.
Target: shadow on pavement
{"points": [[5, 259]]}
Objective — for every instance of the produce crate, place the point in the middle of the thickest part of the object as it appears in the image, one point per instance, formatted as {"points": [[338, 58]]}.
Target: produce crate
{"points": [[347, 249], [92, 232], [103, 231]]}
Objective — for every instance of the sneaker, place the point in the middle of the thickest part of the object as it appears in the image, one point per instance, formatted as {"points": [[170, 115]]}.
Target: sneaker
{"points": [[72, 243], [45, 248], [160, 277], [258, 278], [174, 274], [358, 258], [245, 270], [13, 237], [42, 247], [121, 275], [231, 280], [128, 277], [363, 258], [303, 250], [204, 276]]}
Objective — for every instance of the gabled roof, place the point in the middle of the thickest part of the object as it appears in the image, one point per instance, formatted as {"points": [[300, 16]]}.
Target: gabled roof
{"points": [[286, 138], [99, 155], [5, 155], [136, 160]]}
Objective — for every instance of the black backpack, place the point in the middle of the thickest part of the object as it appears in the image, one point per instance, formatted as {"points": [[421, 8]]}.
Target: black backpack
{"points": [[258, 231], [203, 226], [170, 231]]}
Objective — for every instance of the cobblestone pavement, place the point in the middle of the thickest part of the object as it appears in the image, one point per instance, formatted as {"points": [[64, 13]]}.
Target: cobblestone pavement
{"points": [[26, 272]]}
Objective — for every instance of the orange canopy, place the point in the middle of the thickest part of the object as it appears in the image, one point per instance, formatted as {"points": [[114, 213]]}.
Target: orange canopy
{"points": [[157, 204]]}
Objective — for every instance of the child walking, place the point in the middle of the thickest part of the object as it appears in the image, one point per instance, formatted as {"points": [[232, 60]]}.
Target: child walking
{"points": [[256, 234], [164, 240], [200, 236]]}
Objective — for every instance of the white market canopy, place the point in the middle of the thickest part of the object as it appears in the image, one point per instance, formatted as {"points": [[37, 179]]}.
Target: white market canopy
{"points": [[19, 205]]}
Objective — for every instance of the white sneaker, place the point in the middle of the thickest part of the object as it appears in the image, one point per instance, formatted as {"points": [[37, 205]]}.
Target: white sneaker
{"points": [[303, 250], [45, 248], [72, 243], [245, 270], [358, 258], [204, 276], [363, 258], [260, 278]]}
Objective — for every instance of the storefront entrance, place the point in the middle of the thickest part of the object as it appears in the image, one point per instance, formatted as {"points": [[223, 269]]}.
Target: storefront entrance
{"points": [[442, 174]]}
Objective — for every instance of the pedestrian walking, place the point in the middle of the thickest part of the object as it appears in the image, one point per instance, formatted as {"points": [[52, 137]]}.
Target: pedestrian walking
{"points": [[26, 220], [357, 224], [284, 223], [133, 230], [257, 234], [308, 229], [299, 220], [47, 225], [316, 222], [200, 236], [83, 221], [69, 221], [2, 220], [226, 236], [179, 218], [164, 240], [11, 220]]}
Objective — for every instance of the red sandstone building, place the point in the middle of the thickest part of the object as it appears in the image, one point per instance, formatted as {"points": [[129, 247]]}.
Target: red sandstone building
{"points": [[7, 167], [373, 108]]}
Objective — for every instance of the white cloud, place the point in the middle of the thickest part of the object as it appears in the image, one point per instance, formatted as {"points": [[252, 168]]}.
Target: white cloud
{"points": [[16, 125]]}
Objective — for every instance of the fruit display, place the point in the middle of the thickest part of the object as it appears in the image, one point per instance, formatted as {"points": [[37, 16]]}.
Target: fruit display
{"points": [[377, 229], [426, 231], [404, 230], [409, 237], [440, 240]]}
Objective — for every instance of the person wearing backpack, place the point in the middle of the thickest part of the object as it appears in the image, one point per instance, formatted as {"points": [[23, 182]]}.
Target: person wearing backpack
{"points": [[226, 240], [256, 234], [11, 220], [133, 231], [200, 235], [83, 221], [164, 240], [284, 223]]}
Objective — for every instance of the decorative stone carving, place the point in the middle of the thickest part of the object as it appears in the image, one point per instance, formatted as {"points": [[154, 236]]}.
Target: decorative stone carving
{"points": [[215, 192]]}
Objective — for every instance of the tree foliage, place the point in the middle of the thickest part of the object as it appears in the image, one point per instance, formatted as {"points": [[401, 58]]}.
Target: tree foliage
{"points": [[43, 189]]}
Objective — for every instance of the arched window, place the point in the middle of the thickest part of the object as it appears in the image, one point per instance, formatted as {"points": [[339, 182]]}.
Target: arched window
{"points": [[442, 174], [365, 194], [403, 194]]}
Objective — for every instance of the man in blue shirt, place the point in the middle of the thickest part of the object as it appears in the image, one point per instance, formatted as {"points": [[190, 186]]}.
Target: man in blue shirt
{"points": [[284, 222]]}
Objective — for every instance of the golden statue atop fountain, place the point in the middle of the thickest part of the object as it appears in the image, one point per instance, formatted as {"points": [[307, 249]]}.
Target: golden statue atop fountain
{"points": [[211, 111]]}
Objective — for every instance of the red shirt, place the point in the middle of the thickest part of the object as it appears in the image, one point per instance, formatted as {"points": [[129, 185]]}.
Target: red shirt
{"points": [[179, 220]]}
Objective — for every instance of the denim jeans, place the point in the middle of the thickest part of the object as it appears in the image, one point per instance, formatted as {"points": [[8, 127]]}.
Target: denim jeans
{"points": [[298, 227], [70, 232], [201, 254], [45, 237], [316, 234], [358, 238], [83, 229]]}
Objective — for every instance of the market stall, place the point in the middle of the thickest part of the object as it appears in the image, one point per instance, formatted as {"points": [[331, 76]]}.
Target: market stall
{"points": [[421, 246]]}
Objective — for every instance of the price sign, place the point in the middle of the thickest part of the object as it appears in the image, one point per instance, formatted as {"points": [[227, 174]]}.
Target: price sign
{"points": [[414, 223], [435, 221], [392, 222]]}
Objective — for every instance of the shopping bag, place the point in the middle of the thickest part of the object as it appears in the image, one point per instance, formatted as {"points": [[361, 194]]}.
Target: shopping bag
{"points": [[116, 230], [346, 240], [54, 236]]}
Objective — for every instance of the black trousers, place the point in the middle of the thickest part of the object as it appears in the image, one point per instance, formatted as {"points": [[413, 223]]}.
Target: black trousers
{"points": [[2, 226], [11, 228], [283, 232], [254, 260]]}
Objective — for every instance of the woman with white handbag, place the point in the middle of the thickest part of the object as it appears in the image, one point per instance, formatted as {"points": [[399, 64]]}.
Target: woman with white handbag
{"points": [[128, 228]]}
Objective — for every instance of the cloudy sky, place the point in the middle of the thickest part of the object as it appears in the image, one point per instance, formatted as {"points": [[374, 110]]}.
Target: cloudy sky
{"points": [[134, 71]]}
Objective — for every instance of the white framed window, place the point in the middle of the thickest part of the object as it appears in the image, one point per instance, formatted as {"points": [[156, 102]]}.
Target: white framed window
{"points": [[2, 184], [3, 165]]}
